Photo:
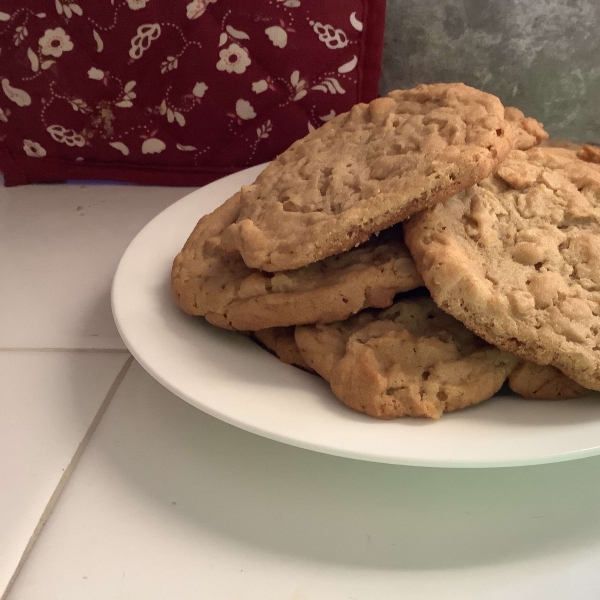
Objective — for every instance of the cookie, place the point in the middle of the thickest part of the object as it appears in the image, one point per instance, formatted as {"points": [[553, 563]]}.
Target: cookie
{"points": [[527, 131], [590, 154], [571, 150], [411, 359], [516, 258], [368, 169], [280, 340], [561, 144], [210, 278], [543, 382]]}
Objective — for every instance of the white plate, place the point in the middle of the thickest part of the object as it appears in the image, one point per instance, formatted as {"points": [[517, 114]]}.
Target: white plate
{"points": [[229, 377]]}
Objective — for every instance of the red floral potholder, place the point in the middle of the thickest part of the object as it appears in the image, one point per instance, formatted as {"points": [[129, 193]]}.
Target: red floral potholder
{"points": [[175, 93]]}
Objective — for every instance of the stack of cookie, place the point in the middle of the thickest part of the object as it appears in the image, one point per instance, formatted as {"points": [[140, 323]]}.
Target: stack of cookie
{"points": [[312, 259]]}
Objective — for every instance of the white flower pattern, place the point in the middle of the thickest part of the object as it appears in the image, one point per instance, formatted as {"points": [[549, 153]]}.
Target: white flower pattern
{"points": [[277, 35], [333, 38], [170, 64], [121, 147], [172, 113], [68, 9], [33, 149], [299, 85], [233, 59], [199, 90], [97, 74], [18, 96], [197, 8], [54, 42], [137, 4], [62, 135], [244, 110], [20, 34], [260, 86], [97, 111], [263, 131], [330, 85], [128, 95], [153, 146], [144, 37]]}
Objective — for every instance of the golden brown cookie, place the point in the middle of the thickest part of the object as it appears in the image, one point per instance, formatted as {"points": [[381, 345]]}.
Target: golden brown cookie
{"points": [[367, 169], [209, 278], [589, 153], [573, 151], [280, 340], [543, 382], [527, 131], [516, 258], [411, 359], [561, 144]]}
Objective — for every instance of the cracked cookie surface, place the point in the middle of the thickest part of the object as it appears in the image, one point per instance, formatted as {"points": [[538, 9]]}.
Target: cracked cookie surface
{"points": [[368, 169], [517, 259], [411, 359]]}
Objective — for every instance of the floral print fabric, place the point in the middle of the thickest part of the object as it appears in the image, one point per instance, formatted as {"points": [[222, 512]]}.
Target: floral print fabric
{"points": [[174, 92]]}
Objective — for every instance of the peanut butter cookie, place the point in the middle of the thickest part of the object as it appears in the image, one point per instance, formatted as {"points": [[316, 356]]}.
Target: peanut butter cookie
{"points": [[368, 169], [543, 382], [571, 150], [527, 131], [280, 340], [210, 278], [516, 258], [411, 359]]}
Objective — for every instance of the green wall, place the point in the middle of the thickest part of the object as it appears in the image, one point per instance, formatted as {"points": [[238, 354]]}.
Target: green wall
{"points": [[542, 56]]}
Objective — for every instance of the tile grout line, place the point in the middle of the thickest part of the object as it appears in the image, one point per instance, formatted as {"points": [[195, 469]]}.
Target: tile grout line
{"points": [[109, 350], [67, 473]]}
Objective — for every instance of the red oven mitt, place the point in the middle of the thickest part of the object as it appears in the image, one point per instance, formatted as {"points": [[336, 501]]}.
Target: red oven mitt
{"points": [[178, 92]]}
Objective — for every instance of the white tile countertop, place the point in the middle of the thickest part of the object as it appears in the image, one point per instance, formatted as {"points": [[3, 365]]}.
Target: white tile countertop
{"points": [[112, 488]]}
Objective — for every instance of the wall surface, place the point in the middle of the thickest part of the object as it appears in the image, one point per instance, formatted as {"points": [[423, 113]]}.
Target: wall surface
{"points": [[542, 56]]}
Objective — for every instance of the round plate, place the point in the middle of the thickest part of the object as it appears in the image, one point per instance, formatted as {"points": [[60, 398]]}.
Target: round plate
{"points": [[228, 376]]}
